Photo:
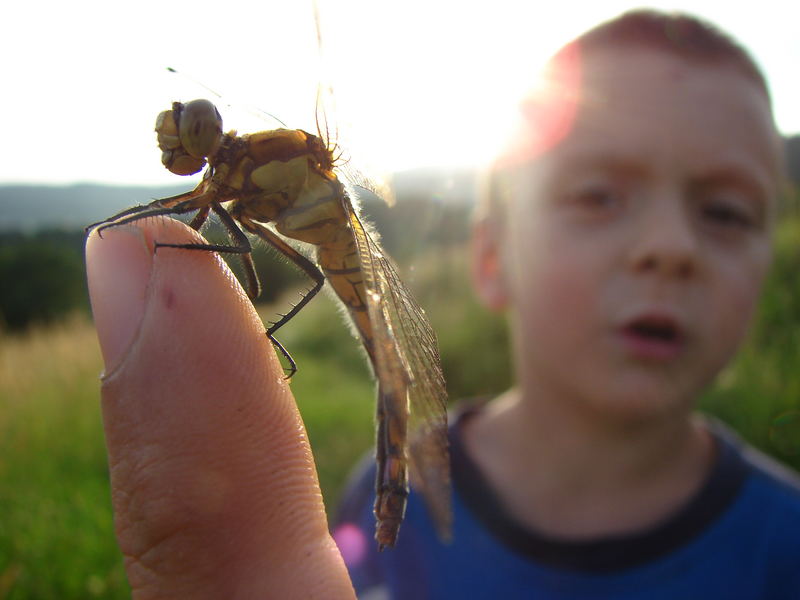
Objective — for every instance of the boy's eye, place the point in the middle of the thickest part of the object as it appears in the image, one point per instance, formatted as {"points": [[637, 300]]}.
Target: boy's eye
{"points": [[730, 209], [595, 197], [726, 215]]}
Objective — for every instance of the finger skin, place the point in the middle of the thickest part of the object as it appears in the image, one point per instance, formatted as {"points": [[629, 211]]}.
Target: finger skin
{"points": [[213, 482]]}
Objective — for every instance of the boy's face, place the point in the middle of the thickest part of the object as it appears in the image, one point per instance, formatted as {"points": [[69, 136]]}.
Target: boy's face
{"points": [[633, 252]]}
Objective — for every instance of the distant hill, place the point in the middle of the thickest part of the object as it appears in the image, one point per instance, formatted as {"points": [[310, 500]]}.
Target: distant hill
{"points": [[35, 207], [792, 145]]}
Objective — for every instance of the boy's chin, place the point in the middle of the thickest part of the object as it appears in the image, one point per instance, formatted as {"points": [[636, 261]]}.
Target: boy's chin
{"points": [[641, 402]]}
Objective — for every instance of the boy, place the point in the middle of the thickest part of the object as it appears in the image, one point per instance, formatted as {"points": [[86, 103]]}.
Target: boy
{"points": [[627, 234], [626, 231]]}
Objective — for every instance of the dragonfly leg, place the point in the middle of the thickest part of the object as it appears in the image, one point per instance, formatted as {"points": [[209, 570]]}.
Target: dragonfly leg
{"points": [[292, 369], [241, 246], [145, 213], [181, 202], [136, 212], [253, 284], [391, 478], [124, 213], [223, 248], [308, 267], [200, 218], [241, 243]]}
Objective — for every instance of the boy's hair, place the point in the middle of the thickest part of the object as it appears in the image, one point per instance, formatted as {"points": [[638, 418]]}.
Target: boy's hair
{"points": [[681, 35]]}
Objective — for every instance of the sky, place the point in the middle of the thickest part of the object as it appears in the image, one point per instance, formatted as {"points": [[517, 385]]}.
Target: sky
{"points": [[419, 83]]}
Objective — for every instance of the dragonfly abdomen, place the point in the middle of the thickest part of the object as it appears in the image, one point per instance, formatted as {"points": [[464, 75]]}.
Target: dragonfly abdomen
{"points": [[343, 271], [391, 477]]}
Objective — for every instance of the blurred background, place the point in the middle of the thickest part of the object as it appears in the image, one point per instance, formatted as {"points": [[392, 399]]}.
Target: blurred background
{"points": [[423, 92]]}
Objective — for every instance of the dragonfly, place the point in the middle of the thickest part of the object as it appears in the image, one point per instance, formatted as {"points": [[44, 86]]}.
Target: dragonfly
{"points": [[286, 186]]}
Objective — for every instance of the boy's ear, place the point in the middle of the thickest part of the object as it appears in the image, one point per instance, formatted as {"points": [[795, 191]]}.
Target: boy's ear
{"points": [[488, 273]]}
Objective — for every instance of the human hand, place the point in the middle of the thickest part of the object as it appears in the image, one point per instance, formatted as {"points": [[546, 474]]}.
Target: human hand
{"points": [[213, 483]]}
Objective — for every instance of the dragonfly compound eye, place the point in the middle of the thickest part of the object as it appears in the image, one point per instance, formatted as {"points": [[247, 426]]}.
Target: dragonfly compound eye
{"points": [[200, 128], [187, 134]]}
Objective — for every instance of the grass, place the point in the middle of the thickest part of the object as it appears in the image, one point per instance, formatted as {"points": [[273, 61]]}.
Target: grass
{"points": [[759, 393], [56, 529], [56, 532]]}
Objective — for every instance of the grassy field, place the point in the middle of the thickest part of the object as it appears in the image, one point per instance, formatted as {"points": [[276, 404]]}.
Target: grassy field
{"points": [[56, 537], [56, 531], [759, 394]]}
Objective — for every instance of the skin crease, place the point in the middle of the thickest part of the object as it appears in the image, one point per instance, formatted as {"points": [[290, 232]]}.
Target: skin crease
{"points": [[659, 199]]}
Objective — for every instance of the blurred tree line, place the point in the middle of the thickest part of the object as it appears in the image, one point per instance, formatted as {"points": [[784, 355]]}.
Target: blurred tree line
{"points": [[41, 277], [42, 274]]}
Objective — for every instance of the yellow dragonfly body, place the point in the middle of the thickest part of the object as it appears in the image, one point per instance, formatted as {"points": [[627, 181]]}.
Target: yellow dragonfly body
{"points": [[286, 178]]}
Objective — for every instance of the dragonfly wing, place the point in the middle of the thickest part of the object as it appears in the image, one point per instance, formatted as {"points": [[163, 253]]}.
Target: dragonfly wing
{"points": [[380, 187], [407, 355], [328, 121], [328, 131]]}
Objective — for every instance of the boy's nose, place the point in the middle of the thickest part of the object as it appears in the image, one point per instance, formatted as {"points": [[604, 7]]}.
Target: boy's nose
{"points": [[665, 243]]}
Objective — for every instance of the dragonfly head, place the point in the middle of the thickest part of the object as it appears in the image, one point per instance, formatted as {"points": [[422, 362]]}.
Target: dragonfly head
{"points": [[188, 134]]}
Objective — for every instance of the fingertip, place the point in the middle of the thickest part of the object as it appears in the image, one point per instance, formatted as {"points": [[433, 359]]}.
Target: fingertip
{"points": [[118, 269], [134, 283]]}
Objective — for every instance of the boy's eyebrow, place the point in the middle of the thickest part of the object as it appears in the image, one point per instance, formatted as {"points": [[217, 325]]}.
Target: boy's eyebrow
{"points": [[756, 182], [629, 165]]}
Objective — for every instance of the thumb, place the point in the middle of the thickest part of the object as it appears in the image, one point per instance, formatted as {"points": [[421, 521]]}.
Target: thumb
{"points": [[213, 482]]}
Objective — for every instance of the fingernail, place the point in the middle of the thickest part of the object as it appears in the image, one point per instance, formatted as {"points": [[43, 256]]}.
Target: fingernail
{"points": [[118, 268]]}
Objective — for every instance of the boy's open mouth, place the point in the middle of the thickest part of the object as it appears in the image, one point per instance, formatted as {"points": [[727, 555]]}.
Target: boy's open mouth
{"points": [[656, 337]]}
